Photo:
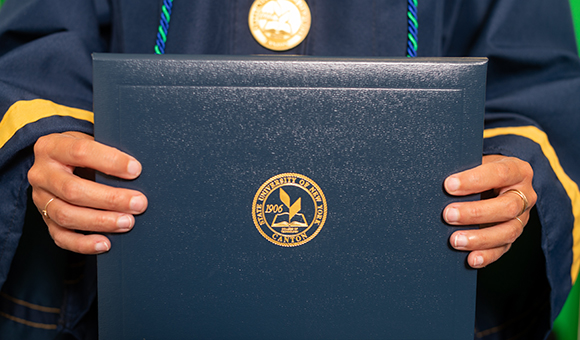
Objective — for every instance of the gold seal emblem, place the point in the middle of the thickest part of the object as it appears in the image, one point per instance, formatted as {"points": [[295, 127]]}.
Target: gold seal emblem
{"points": [[289, 209], [279, 25]]}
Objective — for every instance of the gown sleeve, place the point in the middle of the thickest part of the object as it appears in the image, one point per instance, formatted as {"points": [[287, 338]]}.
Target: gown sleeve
{"points": [[45, 87], [533, 113]]}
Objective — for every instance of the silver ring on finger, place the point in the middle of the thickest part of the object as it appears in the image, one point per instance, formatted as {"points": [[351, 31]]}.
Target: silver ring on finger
{"points": [[522, 222]]}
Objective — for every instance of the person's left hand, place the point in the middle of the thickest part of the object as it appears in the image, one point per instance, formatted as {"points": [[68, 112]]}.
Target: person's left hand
{"points": [[501, 218]]}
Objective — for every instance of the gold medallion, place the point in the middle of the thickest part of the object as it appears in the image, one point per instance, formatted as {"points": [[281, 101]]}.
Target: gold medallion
{"points": [[289, 210], [279, 25]]}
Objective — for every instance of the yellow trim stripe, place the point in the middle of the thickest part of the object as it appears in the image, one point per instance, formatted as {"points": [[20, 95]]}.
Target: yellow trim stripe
{"points": [[571, 188], [30, 305], [28, 323], [25, 112]]}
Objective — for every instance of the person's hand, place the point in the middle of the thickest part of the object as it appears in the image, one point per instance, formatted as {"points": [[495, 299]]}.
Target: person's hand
{"points": [[74, 207], [501, 217]]}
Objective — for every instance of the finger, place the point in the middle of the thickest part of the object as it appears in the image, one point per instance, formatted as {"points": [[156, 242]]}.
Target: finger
{"points": [[500, 173], [499, 209], [84, 193], [80, 150], [76, 242], [483, 258], [79, 218], [496, 236]]}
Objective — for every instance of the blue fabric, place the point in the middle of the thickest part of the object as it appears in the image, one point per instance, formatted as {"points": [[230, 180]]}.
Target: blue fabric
{"points": [[534, 78]]}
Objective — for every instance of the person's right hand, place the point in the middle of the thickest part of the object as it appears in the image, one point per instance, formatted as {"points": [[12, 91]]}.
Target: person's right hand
{"points": [[79, 204]]}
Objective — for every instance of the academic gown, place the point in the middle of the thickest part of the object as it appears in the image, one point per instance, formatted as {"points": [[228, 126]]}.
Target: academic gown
{"points": [[532, 113]]}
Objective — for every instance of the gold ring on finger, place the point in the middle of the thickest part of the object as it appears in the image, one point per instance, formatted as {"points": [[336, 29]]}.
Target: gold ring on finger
{"points": [[523, 197], [44, 211]]}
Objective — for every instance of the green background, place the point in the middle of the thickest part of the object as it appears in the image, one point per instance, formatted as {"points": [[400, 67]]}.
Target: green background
{"points": [[566, 326]]}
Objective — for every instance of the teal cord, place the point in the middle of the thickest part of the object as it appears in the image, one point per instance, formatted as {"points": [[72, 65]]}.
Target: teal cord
{"points": [[163, 26], [413, 27]]}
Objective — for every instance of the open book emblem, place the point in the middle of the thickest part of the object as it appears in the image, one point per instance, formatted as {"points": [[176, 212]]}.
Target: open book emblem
{"points": [[291, 220], [289, 209]]}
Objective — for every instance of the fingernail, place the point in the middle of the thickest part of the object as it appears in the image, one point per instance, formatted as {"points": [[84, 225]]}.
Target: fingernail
{"points": [[137, 203], [134, 168], [460, 241], [452, 184], [452, 215], [101, 247], [124, 222], [478, 261]]}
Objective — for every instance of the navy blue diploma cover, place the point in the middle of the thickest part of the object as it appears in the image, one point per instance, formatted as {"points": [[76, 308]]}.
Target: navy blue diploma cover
{"points": [[289, 197]]}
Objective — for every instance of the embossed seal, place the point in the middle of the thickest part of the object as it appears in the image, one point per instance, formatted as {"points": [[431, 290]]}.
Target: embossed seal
{"points": [[279, 25], [289, 209]]}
